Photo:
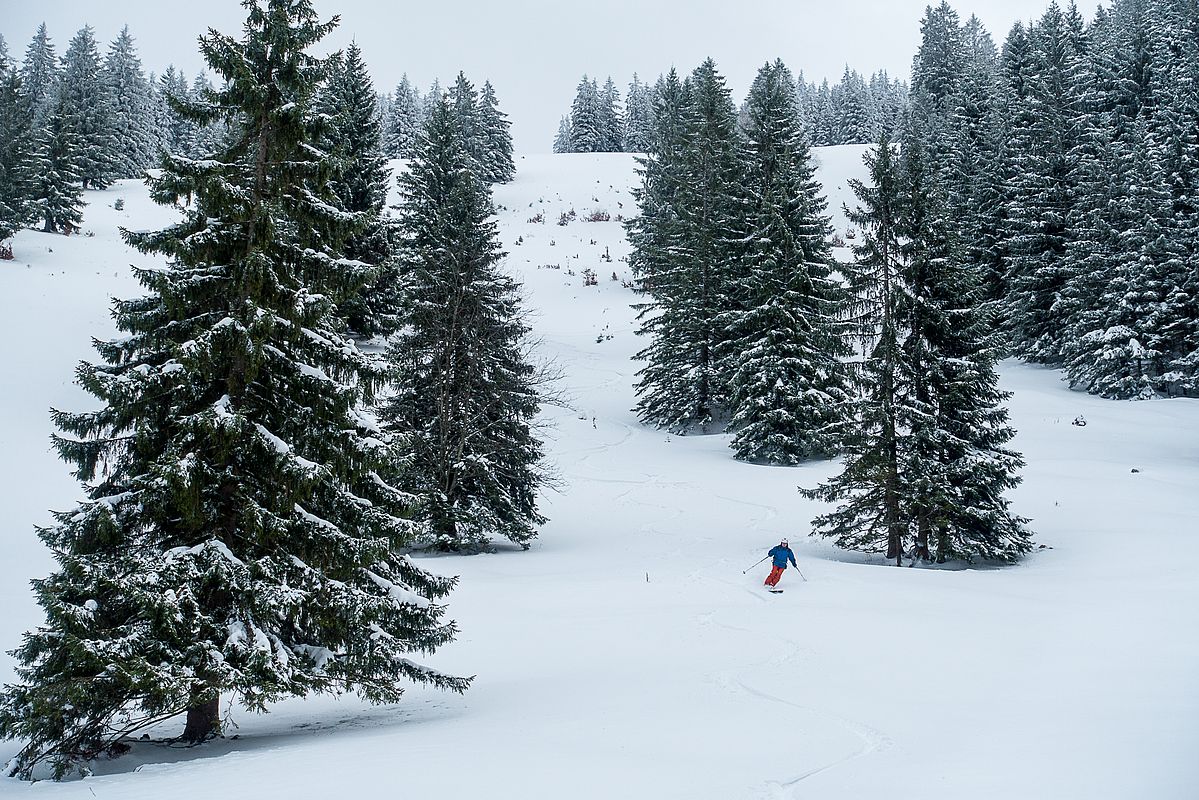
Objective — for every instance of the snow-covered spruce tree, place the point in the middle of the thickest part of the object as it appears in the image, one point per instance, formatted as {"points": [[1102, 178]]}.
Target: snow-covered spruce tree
{"points": [[926, 465], [657, 233], [464, 102], [464, 394], [403, 124], [55, 187], [955, 465], [786, 344], [822, 123], [686, 253], [16, 153], [40, 73], [611, 120], [1041, 191], [215, 132], [498, 166], [430, 99], [1109, 350], [351, 134], [938, 66], [175, 129], [237, 537], [134, 141], [854, 109], [874, 503], [638, 117], [891, 103], [970, 162], [586, 121], [562, 140], [1170, 289], [87, 109]]}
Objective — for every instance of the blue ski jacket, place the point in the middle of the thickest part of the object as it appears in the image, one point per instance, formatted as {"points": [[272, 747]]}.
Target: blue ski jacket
{"points": [[782, 555]]}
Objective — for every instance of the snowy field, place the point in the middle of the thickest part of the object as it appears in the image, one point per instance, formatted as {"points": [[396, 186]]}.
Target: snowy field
{"points": [[626, 654]]}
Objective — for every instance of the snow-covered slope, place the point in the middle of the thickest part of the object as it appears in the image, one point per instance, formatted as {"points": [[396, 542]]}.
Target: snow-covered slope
{"points": [[627, 653]]}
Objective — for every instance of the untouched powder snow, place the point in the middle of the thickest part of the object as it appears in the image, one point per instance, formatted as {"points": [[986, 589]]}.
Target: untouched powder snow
{"points": [[626, 654]]}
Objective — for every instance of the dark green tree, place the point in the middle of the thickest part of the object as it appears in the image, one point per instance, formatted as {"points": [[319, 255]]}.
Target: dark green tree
{"points": [[955, 465], [687, 253], [134, 139], [870, 489], [611, 119], [87, 108], [55, 188], [638, 117], [562, 139], [586, 119], [1041, 193], [40, 73], [498, 166], [17, 144], [238, 535], [464, 395], [403, 122], [786, 343], [926, 465], [352, 134]]}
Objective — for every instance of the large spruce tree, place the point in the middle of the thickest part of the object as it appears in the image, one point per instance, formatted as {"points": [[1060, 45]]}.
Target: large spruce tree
{"points": [[926, 463], [85, 103], [40, 74], [498, 166], [238, 536], [352, 135], [785, 339], [1042, 190], [464, 395], [686, 252], [134, 140], [586, 119], [873, 497], [16, 152], [55, 190], [956, 465], [638, 117]]}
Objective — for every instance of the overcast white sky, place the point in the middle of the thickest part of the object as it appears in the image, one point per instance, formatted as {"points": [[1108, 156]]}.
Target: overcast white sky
{"points": [[534, 51]]}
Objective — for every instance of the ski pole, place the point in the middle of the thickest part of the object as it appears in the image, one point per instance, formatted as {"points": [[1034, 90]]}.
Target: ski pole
{"points": [[767, 556], [800, 571]]}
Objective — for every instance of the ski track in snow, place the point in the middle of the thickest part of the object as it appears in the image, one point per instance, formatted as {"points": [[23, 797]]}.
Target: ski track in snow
{"points": [[587, 453], [765, 514], [872, 739]]}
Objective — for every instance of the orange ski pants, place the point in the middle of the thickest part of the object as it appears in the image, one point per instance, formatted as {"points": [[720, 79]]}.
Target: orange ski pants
{"points": [[773, 578]]}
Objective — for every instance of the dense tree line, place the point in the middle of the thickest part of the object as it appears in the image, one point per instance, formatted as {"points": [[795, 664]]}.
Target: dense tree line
{"points": [[87, 119], [926, 462], [1070, 158], [854, 111], [255, 483], [83, 121], [751, 329], [406, 114], [1039, 201]]}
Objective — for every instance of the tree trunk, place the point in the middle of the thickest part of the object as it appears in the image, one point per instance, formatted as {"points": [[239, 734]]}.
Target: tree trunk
{"points": [[203, 720], [922, 539]]}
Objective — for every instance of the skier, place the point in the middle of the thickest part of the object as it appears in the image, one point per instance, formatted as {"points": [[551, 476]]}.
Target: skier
{"points": [[781, 554]]}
